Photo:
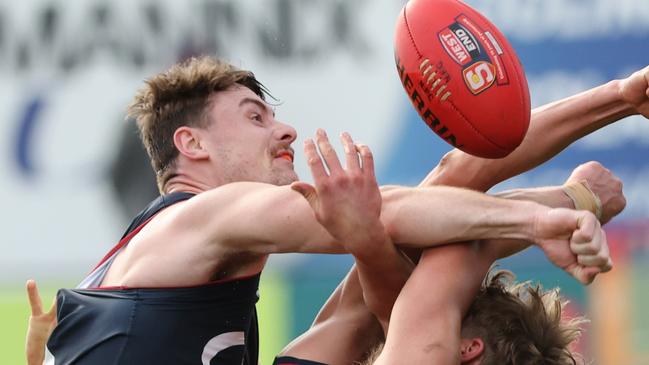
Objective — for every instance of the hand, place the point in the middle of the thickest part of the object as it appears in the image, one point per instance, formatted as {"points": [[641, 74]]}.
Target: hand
{"points": [[635, 91], [606, 186], [575, 242], [346, 202], [40, 326]]}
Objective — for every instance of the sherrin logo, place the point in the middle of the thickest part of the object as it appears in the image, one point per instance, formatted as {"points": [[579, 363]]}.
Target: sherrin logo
{"points": [[479, 76]]}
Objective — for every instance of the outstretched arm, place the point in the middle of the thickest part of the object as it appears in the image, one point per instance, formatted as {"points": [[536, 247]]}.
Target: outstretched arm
{"points": [[420, 217], [553, 127]]}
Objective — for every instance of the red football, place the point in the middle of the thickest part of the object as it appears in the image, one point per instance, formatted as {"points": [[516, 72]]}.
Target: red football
{"points": [[462, 76]]}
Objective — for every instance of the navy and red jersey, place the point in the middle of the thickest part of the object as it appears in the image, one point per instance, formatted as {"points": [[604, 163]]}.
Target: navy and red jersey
{"points": [[214, 323], [288, 360]]}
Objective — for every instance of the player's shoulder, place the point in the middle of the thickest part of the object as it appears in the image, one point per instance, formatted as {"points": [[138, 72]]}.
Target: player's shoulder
{"points": [[221, 201], [230, 194]]}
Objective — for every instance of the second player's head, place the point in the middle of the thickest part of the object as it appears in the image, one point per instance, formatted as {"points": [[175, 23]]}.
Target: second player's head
{"points": [[206, 123], [512, 323]]}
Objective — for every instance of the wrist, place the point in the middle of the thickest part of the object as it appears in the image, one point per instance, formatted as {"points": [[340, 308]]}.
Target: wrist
{"points": [[583, 197], [525, 216], [550, 196], [623, 107], [367, 241], [538, 212]]}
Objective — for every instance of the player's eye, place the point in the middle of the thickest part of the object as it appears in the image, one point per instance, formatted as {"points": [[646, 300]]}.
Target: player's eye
{"points": [[256, 117]]}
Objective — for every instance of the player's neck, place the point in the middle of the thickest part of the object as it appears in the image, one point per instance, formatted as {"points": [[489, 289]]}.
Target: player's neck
{"points": [[181, 183]]}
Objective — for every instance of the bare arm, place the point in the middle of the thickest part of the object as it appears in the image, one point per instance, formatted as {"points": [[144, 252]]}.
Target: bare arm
{"points": [[427, 316], [343, 331], [553, 127], [266, 219], [601, 184]]}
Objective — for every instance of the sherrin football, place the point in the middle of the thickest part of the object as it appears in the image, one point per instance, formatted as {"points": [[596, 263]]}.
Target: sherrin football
{"points": [[462, 76]]}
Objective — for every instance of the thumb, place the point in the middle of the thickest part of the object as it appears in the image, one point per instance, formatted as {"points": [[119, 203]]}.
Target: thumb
{"points": [[52, 312], [584, 275], [307, 191]]}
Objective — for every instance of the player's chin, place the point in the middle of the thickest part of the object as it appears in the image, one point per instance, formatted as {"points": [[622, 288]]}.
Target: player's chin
{"points": [[285, 177]]}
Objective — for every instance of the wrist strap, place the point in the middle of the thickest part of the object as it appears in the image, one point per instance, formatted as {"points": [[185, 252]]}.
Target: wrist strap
{"points": [[583, 197]]}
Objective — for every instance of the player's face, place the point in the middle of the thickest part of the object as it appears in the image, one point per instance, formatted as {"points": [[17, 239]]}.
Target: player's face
{"points": [[246, 142]]}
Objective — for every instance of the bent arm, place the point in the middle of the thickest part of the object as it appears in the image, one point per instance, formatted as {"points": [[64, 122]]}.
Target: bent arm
{"points": [[427, 316]]}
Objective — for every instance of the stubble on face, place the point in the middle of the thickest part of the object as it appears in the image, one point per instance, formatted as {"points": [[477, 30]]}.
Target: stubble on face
{"points": [[234, 167], [242, 151]]}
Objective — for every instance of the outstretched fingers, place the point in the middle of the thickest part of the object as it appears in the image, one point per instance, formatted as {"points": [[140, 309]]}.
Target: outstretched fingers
{"points": [[351, 153], [328, 153], [368, 161], [314, 161]]}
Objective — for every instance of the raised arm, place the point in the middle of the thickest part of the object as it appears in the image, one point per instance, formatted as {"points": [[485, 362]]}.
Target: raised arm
{"points": [[553, 127]]}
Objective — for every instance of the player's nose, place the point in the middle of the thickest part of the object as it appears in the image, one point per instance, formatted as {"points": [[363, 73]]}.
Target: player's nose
{"points": [[285, 132]]}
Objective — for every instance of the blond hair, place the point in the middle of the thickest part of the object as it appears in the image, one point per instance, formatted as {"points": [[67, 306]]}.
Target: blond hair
{"points": [[521, 323], [179, 97]]}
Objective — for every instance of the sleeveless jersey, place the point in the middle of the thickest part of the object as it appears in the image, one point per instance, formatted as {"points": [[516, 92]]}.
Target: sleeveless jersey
{"points": [[214, 323], [289, 360]]}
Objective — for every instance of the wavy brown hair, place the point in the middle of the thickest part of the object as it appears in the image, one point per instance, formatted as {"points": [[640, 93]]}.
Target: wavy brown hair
{"points": [[521, 324], [180, 96]]}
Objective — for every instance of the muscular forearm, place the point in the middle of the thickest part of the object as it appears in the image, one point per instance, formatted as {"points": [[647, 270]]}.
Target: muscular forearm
{"points": [[423, 217], [553, 127], [551, 196]]}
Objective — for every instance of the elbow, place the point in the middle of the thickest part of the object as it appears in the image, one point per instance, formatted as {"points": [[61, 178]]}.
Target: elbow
{"points": [[460, 169], [447, 171]]}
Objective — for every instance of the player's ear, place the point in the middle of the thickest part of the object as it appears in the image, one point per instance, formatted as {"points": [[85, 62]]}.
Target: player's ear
{"points": [[188, 142], [471, 349]]}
